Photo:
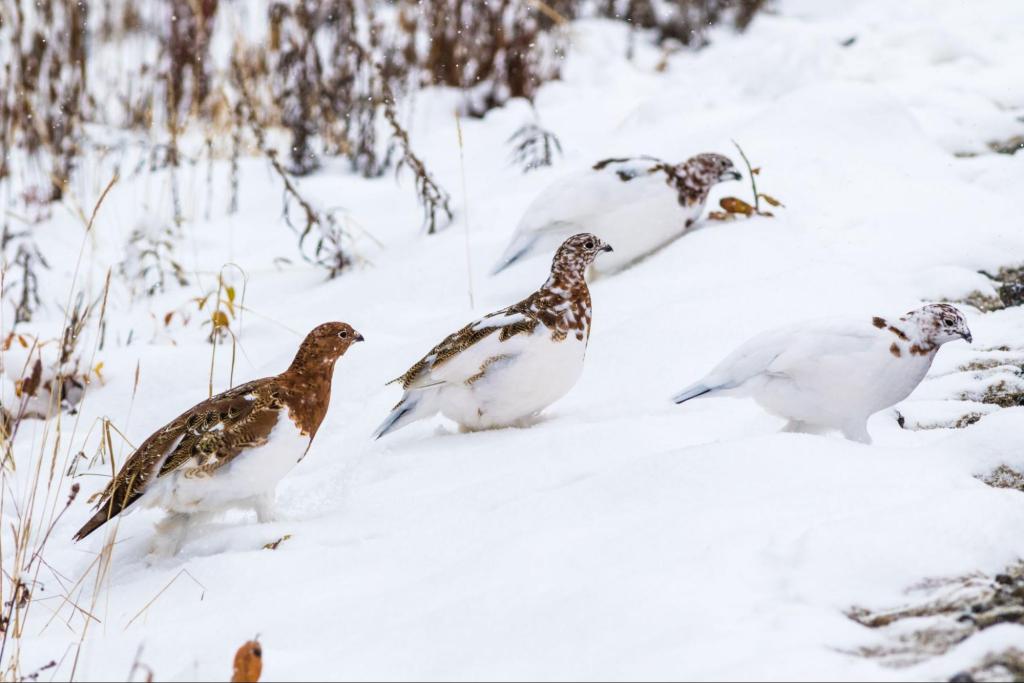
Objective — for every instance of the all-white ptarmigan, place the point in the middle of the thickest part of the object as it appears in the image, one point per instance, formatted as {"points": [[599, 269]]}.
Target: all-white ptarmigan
{"points": [[231, 450], [638, 204], [508, 366], [835, 374]]}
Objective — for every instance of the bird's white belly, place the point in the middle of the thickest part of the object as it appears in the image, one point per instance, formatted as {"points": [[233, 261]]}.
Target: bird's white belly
{"points": [[253, 473], [641, 228], [834, 399], [516, 388], [636, 217]]}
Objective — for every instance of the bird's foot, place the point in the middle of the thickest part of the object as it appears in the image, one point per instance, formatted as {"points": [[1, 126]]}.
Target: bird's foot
{"points": [[795, 427], [858, 433], [265, 510]]}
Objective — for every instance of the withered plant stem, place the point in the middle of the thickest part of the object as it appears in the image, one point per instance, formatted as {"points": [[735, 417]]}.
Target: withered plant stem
{"points": [[752, 176]]}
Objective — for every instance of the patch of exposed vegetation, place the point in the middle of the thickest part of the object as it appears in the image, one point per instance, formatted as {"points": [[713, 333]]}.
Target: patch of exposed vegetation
{"points": [[1011, 288], [983, 302], [960, 423], [1009, 146], [1002, 393], [1009, 293], [150, 262], [683, 22], [534, 147], [966, 420], [1007, 665], [985, 364], [1004, 477], [964, 606]]}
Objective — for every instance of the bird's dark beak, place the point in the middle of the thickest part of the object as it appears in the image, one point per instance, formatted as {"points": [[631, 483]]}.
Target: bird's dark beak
{"points": [[359, 337], [607, 247], [732, 175], [968, 337]]}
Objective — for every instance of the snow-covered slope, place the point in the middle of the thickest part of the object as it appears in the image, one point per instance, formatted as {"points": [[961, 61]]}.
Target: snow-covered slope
{"points": [[622, 536]]}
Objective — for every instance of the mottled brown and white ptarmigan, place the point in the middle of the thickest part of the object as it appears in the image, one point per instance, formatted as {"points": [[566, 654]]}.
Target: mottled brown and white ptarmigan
{"points": [[508, 366], [639, 204], [835, 373], [231, 450]]}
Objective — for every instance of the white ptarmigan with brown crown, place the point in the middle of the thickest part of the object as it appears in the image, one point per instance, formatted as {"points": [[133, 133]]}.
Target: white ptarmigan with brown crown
{"points": [[639, 204], [230, 450], [835, 374], [511, 364]]}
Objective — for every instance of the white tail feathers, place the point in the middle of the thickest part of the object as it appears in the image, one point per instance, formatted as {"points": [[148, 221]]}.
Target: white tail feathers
{"points": [[415, 405], [520, 246], [692, 391]]}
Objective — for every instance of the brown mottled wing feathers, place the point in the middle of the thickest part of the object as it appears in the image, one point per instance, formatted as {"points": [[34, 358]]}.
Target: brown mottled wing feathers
{"points": [[471, 334], [197, 442]]}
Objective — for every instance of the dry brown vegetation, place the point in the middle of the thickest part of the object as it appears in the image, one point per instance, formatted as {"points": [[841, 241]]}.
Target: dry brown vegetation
{"points": [[1008, 282], [683, 21], [952, 610], [1004, 477]]}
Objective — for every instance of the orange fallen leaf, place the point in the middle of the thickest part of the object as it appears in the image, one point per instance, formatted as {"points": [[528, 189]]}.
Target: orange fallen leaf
{"points": [[771, 200], [718, 216], [248, 663], [734, 205]]}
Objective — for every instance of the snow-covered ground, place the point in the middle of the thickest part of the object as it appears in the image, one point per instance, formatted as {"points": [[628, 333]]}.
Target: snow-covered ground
{"points": [[622, 536]]}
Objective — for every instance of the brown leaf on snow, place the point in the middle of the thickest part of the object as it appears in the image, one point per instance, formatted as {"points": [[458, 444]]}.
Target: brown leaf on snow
{"points": [[735, 205], [275, 544], [30, 385], [248, 663], [718, 216], [771, 200]]}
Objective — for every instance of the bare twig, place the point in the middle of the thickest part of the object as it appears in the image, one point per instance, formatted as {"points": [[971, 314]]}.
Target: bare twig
{"points": [[433, 198], [329, 252]]}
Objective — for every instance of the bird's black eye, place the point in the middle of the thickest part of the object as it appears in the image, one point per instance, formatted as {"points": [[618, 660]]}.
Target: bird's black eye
{"points": [[343, 334], [589, 244]]}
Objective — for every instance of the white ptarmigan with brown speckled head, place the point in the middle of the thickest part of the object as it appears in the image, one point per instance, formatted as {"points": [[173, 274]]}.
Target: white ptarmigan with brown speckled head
{"points": [[835, 374], [638, 204], [508, 366], [230, 450]]}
